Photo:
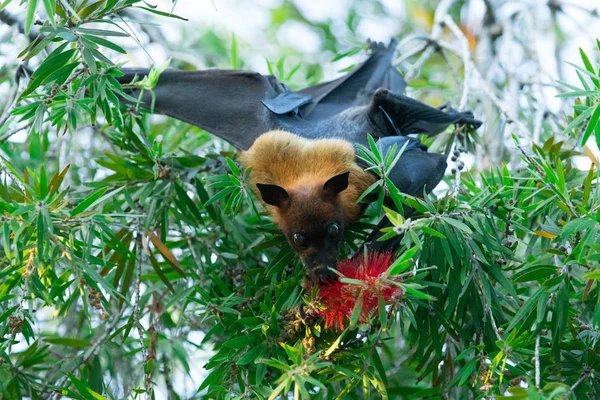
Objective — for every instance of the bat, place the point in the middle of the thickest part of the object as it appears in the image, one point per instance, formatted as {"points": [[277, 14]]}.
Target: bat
{"points": [[302, 145]]}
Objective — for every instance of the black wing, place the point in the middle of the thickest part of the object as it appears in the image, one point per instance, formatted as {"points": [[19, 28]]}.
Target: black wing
{"points": [[238, 106], [357, 87], [396, 114], [222, 102]]}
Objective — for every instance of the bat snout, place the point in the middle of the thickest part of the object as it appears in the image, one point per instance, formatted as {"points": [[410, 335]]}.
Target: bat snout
{"points": [[320, 268], [324, 275]]}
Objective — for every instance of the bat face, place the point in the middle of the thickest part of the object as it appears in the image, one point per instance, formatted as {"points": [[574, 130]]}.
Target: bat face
{"points": [[312, 219]]}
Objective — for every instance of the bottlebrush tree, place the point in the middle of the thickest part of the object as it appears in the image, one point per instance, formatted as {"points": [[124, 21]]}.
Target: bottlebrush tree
{"points": [[134, 255]]}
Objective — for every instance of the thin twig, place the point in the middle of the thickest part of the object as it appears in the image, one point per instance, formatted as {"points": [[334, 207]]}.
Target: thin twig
{"points": [[8, 134], [408, 54], [457, 180], [487, 306], [16, 180], [453, 70], [583, 377], [247, 391], [91, 351], [436, 32], [537, 361], [141, 246], [465, 57], [13, 98]]}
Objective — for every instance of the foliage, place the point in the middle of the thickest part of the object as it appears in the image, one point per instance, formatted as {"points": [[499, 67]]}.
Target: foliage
{"points": [[109, 268]]}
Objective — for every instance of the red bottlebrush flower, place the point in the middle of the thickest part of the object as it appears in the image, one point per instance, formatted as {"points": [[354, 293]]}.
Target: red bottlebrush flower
{"points": [[339, 298]]}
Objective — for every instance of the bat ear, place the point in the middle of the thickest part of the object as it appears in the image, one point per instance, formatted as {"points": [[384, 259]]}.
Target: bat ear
{"points": [[273, 195], [337, 184]]}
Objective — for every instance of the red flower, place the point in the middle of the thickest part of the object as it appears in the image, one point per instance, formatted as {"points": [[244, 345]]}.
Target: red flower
{"points": [[339, 298]]}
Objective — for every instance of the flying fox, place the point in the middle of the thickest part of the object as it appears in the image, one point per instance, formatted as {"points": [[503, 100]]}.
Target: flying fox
{"points": [[302, 145]]}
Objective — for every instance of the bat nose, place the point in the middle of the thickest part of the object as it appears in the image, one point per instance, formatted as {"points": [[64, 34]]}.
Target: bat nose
{"points": [[323, 274]]}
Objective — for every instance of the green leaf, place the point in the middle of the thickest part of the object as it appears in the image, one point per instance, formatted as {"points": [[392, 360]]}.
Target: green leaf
{"points": [[592, 124], [579, 120], [159, 272], [234, 58], [4, 4], [335, 344], [356, 311], [78, 343], [560, 317], [374, 149], [60, 75], [597, 135], [189, 204], [534, 273], [101, 32], [105, 43], [32, 5], [369, 190], [279, 389], [275, 364], [56, 60], [587, 185], [457, 224], [349, 53], [577, 225], [541, 308], [432, 232], [589, 67], [240, 342], [84, 389], [402, 262], [66, 34], [90, 9], [252, 354], [578, 93], [351, 281], [162, 13], [88, 201], [222, 194], [232, 166], [88, 56], [50, 6], [410, 289], [43, 182], [592, 275], [527, 307]]}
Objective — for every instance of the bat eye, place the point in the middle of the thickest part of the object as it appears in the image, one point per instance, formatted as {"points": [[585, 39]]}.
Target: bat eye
{"points": [[333, 230], [299, 239]]}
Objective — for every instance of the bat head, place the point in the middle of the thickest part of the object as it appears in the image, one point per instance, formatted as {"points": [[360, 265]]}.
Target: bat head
{"points": [[311, 217]]}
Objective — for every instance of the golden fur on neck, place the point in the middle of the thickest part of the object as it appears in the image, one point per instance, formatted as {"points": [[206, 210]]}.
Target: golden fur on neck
{"points": [[287, 160]]}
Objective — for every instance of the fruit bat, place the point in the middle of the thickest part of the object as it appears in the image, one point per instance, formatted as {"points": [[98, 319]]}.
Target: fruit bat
{"points": [[241, 106]]}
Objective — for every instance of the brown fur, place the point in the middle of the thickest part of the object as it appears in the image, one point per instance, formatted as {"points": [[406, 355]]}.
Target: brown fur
{"points": [[302, 166]]}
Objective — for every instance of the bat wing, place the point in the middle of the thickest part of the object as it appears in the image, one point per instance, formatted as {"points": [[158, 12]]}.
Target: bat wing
{"points": [[357, 87], [369, 99], [225, 103], [238, 106], [393, 114]]}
